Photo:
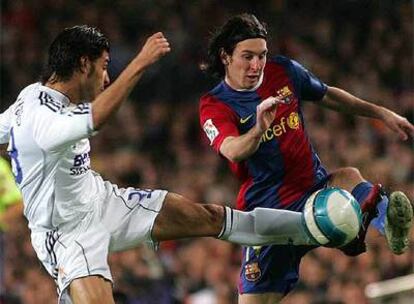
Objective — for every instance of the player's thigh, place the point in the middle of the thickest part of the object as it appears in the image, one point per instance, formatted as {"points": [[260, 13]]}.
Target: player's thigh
{"points": [[180, 218], [346, 178], [91, 290], [134, 216], [263, 298], [129, 214]]}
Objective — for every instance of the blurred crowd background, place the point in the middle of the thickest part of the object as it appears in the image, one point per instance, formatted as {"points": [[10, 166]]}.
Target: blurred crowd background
{"points": [[365, 47]]}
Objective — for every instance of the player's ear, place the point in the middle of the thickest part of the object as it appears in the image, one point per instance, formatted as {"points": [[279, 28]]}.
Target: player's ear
{"points": [[84, 64], [224, 57]]}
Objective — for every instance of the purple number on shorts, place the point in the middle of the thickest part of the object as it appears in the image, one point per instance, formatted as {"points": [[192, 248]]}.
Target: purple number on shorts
{"points": [[141, 193]]}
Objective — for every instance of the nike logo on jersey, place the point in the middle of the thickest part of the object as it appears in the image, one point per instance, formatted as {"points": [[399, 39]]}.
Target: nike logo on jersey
{"points": [[246, 119]]}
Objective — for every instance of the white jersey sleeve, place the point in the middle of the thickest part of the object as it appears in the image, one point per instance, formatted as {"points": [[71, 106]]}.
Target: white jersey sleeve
{"points": [[55, 128], [5, 125]]}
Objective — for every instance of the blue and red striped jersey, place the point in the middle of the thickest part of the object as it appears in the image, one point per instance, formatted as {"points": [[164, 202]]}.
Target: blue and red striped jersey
{"points": [[285, 167]]}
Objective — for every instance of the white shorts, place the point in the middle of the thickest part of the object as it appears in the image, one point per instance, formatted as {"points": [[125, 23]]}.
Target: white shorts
{"points": [[123, 219]]}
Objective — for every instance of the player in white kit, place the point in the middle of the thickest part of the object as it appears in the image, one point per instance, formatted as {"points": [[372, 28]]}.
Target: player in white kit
{"points": [[75, 217]]}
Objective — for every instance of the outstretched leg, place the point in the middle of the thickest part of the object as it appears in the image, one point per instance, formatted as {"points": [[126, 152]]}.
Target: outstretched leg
{"points": [[181, 218]]}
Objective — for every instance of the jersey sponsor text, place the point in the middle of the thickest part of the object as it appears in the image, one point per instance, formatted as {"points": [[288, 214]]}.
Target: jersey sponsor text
{"points": [[292, 122]]}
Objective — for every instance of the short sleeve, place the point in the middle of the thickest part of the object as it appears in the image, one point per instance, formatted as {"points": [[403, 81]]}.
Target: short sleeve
{"points": [[310, 87], [217, 120], [53, 129]]}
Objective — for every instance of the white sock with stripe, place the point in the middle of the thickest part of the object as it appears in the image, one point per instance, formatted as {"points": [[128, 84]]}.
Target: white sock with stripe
{"points": [[264, 226]]}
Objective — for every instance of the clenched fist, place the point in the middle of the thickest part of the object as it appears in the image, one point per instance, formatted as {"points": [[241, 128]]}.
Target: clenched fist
{"points": [[154, 48]]}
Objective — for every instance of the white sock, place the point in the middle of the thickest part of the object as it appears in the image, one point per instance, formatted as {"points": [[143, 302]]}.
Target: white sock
{"points": [[264, 226]]}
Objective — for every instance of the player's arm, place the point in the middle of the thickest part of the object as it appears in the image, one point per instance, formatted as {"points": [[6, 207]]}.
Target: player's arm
{"points": [[238, 148], [311, 88], [54, 129], [340, 100], [109, 100]]}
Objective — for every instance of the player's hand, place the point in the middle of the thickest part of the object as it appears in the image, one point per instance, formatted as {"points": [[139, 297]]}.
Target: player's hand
{"points": [[398, 124], [154, 48], [265, 113]]}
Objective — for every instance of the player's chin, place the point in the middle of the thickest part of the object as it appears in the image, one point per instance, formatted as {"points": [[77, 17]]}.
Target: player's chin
{"points": [[250, 83]]}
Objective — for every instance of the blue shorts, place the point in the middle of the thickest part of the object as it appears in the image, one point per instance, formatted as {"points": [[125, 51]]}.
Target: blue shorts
{"points": [[274, 268], [271, 268]]}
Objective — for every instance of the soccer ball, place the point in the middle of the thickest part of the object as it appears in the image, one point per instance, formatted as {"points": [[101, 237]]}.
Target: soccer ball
{"points": [[332, 217]]}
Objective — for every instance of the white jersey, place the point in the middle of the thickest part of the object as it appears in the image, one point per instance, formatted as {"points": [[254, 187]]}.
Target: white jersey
{"points": [[49, 149]]}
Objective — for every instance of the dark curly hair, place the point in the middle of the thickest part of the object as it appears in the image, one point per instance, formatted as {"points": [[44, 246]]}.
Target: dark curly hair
{"points": [[236, 29], [67, 49]]}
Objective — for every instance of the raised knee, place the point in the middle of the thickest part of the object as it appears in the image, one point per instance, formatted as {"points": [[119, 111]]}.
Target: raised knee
{"points": [[351, 173], [346, 178], [91, 290], [92, 297]]}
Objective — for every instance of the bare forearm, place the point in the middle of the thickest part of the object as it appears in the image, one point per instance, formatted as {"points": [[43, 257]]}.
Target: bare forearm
{"points": [[110, 99], [342, 101], [239, 148]]}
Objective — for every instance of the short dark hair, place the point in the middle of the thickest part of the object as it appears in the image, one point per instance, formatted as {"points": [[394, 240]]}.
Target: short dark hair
{"points": [[236, 29], [67, 49]]}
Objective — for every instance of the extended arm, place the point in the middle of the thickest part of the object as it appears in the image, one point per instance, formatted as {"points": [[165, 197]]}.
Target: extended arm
{"points": [[109, 100], [342, 101], [241, 147], [75, 124]]}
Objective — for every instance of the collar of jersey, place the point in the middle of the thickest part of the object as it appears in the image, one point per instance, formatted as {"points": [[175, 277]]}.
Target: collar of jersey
{"points": [[57, 95], [259, 83]]}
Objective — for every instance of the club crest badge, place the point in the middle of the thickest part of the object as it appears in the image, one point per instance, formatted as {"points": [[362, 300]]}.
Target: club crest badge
{"points": [[285, 94], [252, 271]]}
